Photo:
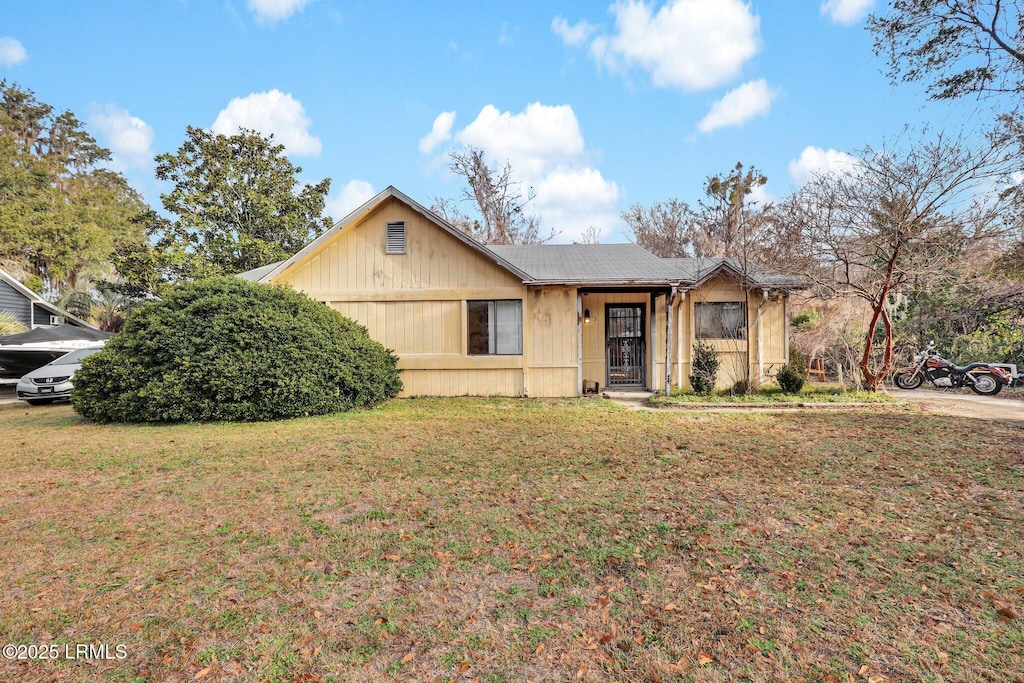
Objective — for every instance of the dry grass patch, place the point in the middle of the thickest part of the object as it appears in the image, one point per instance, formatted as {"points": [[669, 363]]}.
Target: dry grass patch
{"points": [[513, 540]]}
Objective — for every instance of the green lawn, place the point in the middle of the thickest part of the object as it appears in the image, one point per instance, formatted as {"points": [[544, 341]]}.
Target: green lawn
{"points": [[514, 540]]}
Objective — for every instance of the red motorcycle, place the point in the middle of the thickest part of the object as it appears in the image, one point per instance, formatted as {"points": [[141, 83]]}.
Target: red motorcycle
{"points": [[982, 378]]}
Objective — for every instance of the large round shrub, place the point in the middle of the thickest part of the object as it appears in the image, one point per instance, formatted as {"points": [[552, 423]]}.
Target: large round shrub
{"points": [[229, 349]]}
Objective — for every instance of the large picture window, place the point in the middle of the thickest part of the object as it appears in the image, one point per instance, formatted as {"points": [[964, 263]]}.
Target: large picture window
{"points": [[495, 327], [721, 320]]}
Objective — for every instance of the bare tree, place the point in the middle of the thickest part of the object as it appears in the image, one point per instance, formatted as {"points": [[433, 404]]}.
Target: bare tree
{"points": [[496, 195], [902, 213], [664, 229], [592, 235], [728, 217], [960, 47]]}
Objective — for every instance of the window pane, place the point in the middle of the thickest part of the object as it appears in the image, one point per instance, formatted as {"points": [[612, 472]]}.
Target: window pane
{"points": [[509, 327], [479, 323], [721, 320], [495, 327]]}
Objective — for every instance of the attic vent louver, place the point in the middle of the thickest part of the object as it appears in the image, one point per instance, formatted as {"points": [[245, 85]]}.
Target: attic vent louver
{"points": [[395, 238]]}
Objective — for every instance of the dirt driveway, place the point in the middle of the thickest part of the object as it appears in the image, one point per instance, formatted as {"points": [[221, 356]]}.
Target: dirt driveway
{"points": [[1007, 410]]}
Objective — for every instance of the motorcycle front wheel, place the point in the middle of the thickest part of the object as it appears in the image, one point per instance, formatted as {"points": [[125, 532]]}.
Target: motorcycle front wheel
{"points": [[906, 380], [986, 384]]}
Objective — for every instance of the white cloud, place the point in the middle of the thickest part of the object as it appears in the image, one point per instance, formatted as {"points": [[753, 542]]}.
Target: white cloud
{"points": [[846, 12], [760, 197], [349, 198], [736, 107], [686, 44], [531, 139], [129, 138], [275, 10], [817, 161], [572, 199], [271, 112], [440, 132], [12, 51], [545, 146], [575, 34]]}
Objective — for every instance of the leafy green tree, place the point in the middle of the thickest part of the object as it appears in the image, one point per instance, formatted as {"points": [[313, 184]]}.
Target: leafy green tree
{"points": [[236, 204], [61, 212]]}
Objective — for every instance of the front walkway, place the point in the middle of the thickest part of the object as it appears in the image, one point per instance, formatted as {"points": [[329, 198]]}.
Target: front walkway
{"points": [[631, 399]]}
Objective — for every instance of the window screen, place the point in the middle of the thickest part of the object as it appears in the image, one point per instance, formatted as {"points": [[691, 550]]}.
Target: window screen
{"points": [[495, 327]]}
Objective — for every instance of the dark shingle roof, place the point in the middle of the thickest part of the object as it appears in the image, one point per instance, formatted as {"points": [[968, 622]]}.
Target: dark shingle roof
{"points": [[629, 263], [606, 263]]}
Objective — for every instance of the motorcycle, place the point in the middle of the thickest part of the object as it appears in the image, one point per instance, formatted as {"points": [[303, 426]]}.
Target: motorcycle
{"points": [[982, 378]]}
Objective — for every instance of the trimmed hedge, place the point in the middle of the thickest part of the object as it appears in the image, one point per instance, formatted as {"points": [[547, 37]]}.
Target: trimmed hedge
{"points": [[229, 349]]}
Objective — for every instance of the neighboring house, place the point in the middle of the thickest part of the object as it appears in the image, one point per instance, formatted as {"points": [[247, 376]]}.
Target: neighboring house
{"points": [[539, 320], [30, 309]]}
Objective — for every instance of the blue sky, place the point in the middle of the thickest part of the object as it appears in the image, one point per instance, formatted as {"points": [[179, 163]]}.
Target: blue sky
{"points": [[597, 105]]}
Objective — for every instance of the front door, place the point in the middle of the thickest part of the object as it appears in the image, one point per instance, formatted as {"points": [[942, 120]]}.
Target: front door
{"points": [[624, 332]]}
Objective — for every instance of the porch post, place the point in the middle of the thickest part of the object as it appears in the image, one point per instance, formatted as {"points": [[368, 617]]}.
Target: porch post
{"points": [[653, 343], [668, 341], [679, 344], [579, 343]]}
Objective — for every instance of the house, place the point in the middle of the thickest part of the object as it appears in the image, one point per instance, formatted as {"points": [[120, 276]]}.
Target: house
{"points": [[538, 320], [30, 309]]}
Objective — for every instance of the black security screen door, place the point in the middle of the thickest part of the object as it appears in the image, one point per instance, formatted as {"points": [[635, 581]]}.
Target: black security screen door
{"points": [[624, 330]]}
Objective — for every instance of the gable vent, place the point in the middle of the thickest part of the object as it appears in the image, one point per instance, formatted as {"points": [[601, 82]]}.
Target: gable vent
{"points": [[395, 238]]}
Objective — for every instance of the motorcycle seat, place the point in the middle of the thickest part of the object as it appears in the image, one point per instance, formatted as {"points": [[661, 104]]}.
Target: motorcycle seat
{"points": [[969, 367]]}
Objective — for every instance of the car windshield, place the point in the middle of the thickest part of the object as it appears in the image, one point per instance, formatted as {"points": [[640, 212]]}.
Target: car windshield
{"points": [[75, 356]]}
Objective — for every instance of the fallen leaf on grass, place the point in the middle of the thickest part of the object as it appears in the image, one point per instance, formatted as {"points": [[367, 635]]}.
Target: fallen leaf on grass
{"points": [[203, 672], [1006, 614], [704, 659], [408, 658]]}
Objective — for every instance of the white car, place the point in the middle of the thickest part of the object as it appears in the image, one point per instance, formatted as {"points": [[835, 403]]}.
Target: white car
{"points": [[52, 381]]}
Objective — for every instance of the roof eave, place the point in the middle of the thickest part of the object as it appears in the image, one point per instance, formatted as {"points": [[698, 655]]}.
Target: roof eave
{"points": [[603, 283]]}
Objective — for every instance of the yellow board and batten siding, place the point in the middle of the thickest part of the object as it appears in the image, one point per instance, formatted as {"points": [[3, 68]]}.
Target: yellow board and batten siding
{"points": [[768, 330], [415, 303]]}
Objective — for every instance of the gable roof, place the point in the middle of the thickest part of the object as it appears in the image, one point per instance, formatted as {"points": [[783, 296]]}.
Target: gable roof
{"points": [[43, 303], [570, 264], [699, 270], [270, 271], [607, 264]]}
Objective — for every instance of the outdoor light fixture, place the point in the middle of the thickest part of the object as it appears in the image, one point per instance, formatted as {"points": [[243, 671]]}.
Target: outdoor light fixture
{"points": [[586, 317]]}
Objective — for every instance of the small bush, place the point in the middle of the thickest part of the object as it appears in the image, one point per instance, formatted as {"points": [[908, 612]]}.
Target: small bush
{"points": [[705, 368], [793, 374], [228, 349], [790, 381]]}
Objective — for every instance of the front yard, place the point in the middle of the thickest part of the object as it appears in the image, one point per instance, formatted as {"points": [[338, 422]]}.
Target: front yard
{"points": [[515, 540]]}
